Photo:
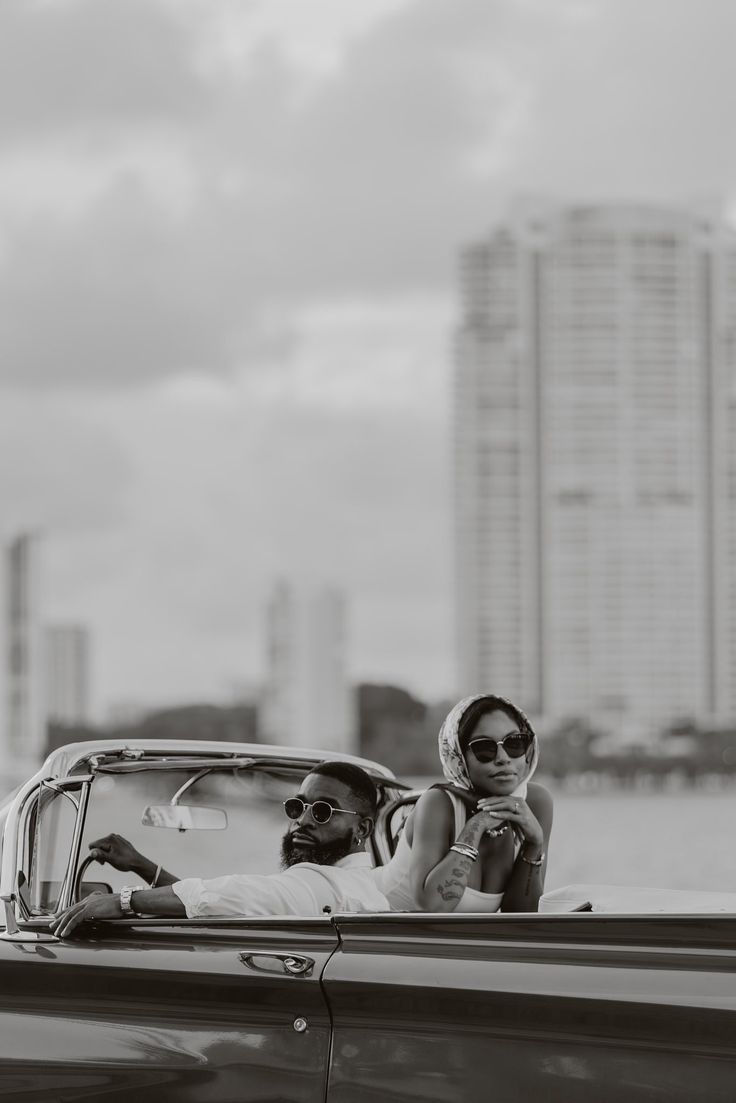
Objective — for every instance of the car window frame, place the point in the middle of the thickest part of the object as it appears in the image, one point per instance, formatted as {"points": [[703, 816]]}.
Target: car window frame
{"points": [[17, 848]]}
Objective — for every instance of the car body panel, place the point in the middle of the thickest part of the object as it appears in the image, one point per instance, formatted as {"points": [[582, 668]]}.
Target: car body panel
{"points": [[167, 1011], [560, 1008]]}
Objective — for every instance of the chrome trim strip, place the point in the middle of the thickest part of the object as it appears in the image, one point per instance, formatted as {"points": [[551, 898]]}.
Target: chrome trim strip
{"points": [[66, 890]]}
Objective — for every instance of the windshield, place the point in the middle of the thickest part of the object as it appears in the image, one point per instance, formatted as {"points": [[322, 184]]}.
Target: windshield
{"points": [[250, 843]]}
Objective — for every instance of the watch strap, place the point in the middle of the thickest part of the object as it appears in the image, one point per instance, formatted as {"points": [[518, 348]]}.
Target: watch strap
{"points": [[126, 901]]}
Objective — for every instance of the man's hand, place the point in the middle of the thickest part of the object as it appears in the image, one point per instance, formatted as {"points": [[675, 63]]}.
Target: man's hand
{"points": [[118, 852], [121, 854], [97, 906]]}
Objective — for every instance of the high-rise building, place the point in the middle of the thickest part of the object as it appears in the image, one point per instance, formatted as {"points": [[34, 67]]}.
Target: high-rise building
{"points": [[23, 738], [595, 464], [307, 701], [67, 674]]}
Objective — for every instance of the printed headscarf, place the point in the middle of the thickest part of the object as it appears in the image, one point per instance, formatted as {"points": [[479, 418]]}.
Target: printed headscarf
{"points": [[453, 762]]}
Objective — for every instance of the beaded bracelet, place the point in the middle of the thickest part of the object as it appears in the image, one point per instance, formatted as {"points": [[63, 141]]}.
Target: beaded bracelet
{"points": [[466, 850]]}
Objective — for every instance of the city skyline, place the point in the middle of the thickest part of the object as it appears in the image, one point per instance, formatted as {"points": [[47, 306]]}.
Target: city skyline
{"points": [[229, 288]]}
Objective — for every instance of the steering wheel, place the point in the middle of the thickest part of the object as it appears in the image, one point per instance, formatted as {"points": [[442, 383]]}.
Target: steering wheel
{"points": [[79, 879]]}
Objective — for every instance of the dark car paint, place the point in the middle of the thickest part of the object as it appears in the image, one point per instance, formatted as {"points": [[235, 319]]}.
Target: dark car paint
{"points": [[166, 1012], [576, 1008], [398, 1008]]}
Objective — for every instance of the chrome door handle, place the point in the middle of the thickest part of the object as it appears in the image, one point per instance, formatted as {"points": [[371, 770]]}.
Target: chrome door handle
{"points": [[298, 966], [294, 965]]}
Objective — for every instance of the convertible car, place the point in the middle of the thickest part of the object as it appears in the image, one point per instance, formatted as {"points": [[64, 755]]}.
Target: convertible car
{"points": [[580, 1003]]}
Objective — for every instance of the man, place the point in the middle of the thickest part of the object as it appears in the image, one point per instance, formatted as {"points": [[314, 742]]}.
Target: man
{"points": [[323, 850]]}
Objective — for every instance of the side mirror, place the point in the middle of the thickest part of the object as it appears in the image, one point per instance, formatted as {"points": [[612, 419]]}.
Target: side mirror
{"points": [[184, 817], [92, 888]]}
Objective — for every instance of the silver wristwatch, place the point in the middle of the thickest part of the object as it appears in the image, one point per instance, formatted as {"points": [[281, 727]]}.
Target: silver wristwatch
{"points": [[126, 901]]}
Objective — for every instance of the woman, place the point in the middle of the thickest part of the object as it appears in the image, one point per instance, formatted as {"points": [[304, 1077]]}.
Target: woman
{"points": [[479, 843]]}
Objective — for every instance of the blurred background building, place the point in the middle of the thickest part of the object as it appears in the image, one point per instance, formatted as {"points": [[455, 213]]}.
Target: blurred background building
{"points": [[23, 736], [308, 700], [67, 674], [595, 464]]}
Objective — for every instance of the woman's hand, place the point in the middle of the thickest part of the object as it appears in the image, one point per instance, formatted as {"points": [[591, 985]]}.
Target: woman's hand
{"points": [[480, 824], [516, 811]]}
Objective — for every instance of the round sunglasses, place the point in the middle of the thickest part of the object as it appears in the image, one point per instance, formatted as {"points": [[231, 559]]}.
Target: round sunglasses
{"points": [[515, 744], [321, 810]]}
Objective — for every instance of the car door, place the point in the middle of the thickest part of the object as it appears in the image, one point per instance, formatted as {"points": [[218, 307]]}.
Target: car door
{"points": [[574, 1008], [167, 1009], [186, 1010]]}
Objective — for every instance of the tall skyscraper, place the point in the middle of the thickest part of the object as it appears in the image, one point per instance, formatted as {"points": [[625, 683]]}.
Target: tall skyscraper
{"points": [[307, 701], [67, 674], [23, 738], [595, 464]]}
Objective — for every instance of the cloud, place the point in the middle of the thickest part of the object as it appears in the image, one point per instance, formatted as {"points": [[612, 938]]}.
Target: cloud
{"points": [[212, 202], [385, 153], [171, 559], [276, 197], [125, 297], [59, 471], [632, 103], [68, 65]]}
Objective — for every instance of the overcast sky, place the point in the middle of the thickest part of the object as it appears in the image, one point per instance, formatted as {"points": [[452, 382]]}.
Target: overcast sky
{"points": [[228, 247]]}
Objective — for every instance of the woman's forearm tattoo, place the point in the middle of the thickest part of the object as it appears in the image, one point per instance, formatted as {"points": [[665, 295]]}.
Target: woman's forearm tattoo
{"points": [[453, 887], [531, 872], [528, 880]]}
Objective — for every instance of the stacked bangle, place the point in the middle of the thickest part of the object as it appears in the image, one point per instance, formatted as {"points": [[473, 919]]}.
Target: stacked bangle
{"points": [[532, 861], [466, 850]]}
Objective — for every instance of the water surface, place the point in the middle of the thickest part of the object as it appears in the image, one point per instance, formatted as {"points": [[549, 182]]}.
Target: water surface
{"points": [[681, 840]]}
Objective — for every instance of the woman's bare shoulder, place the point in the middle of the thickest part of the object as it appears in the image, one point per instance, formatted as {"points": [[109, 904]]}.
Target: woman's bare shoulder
{"points": [[433, 800], [434, 806], [433, 816]]}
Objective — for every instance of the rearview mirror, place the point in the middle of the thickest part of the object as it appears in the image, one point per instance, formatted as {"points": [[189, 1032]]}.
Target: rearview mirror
{"points": [[184, 817]]}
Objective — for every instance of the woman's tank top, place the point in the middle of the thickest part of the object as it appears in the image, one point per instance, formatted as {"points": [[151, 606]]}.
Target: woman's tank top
{"points": [[394, 879]]}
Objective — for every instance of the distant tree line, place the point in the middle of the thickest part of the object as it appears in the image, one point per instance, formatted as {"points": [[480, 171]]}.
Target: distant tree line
{"points": [[683, 748], [394, 727], [400, 731], [219, 723]]}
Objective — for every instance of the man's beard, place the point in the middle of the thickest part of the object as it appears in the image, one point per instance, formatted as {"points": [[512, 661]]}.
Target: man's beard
{"points": [[325, 854]]}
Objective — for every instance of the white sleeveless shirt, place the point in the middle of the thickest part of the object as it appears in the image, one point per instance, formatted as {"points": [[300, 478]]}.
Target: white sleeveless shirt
{"points": [[394, 879]]}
